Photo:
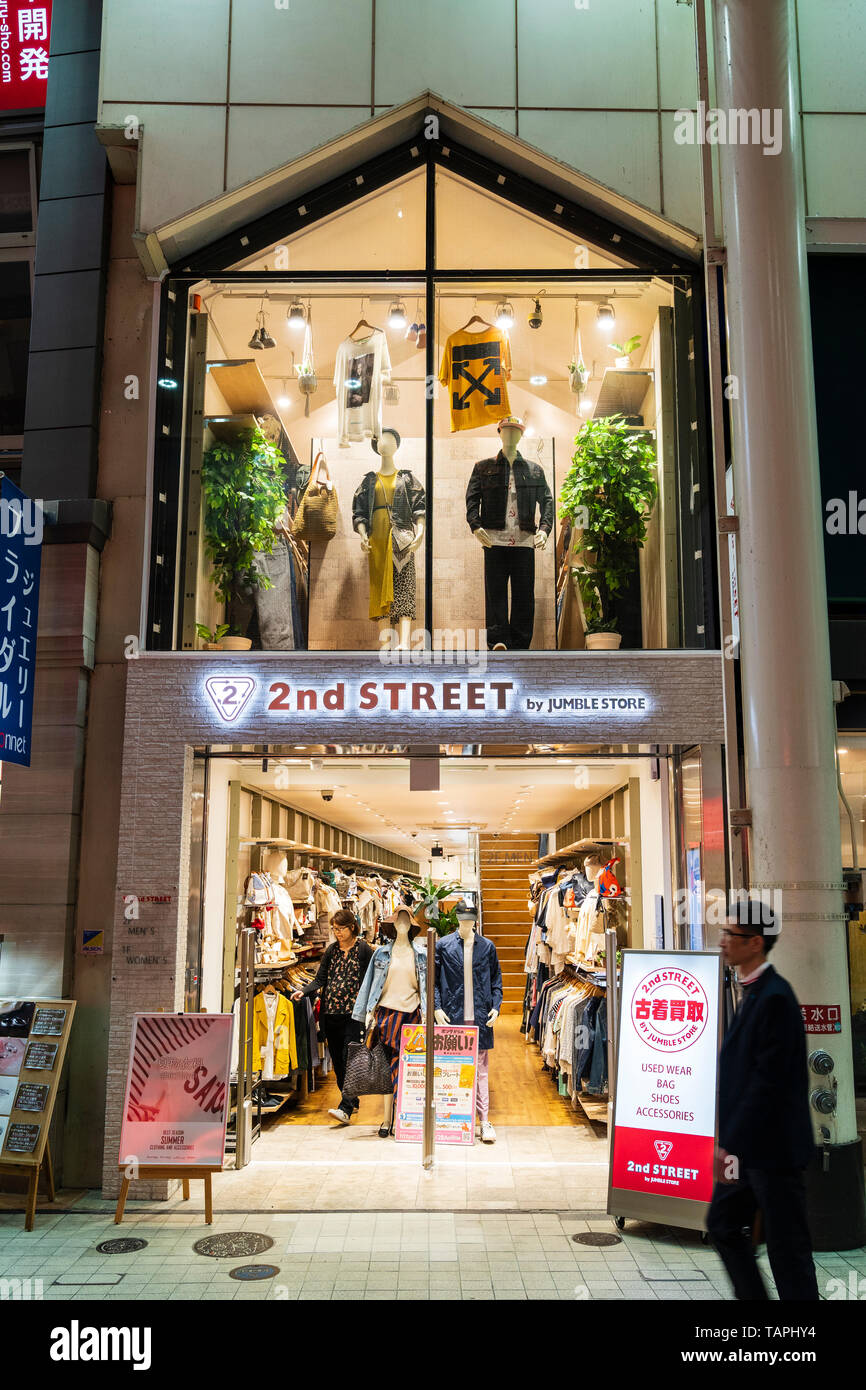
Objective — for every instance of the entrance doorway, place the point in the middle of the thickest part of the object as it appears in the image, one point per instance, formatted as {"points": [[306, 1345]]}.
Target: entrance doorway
{"points": [[510, 831]]}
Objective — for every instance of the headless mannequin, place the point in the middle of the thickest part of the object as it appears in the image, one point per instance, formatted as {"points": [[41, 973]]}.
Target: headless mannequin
{"points": [[510, 436], [402, 954], [276, 865], [466, 928], [387, 467]]}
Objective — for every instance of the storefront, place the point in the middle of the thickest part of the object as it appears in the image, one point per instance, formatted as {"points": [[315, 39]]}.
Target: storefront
{"points": [[428, 295], [361, 777]]}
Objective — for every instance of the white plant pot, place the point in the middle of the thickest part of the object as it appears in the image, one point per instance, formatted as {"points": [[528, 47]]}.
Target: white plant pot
{"points": [[236, 644], [623, 363], [602, 641]]}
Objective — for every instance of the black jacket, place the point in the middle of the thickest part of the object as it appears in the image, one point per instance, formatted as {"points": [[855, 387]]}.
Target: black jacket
{"points": [[365, 951], [487, 495], [763, 1079], [409, 502]]}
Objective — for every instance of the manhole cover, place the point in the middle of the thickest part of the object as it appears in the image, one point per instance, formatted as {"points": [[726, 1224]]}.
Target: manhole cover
{"points": [[124, 1245], [250, 1272], [597, 1238], [230, 1244]]}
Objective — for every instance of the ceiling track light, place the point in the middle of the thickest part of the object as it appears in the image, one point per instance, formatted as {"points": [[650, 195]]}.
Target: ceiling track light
{"points": [[605, 318], [504, 315], [296, 314], [397, 315]]}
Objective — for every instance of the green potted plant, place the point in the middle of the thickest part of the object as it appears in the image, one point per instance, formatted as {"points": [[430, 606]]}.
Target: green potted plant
{"points": [[242, 482], [578, 376], [212, 638], [430, 911], [608, 495], [625, 350]]}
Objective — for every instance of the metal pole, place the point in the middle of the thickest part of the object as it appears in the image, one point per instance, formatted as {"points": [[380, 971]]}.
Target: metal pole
{"points": [[429, 1144], [610, 949], [788, 726]]}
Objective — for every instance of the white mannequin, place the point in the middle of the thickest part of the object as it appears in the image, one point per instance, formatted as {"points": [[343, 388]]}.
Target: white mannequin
{"points": [[510, 436], [402, 950], [466, 928], [387, 467]]}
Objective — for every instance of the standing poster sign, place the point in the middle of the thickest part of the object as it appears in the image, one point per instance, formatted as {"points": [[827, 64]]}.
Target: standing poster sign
{"points": [[455, 1067], [175, 1108], [664, 1122], [33, 1038], [20, 563]]}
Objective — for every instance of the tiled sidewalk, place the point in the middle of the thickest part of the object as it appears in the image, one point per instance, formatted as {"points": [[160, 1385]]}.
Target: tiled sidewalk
{"points": [[375, 1256]]}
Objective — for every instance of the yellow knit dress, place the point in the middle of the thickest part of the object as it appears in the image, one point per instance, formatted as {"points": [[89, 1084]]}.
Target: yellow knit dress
{"points": [[381, 555]]}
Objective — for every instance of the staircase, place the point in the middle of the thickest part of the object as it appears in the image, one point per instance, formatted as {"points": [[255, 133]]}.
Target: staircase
{"points": [[504, 895]]}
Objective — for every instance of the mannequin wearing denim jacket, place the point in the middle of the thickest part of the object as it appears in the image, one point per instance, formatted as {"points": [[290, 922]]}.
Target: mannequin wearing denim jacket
{"points": [[367, 1006], [469, 990]]}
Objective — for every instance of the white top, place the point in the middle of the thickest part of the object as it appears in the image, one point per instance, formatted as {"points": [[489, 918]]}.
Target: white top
{"points": [[468, 992], [401, 986], [361, 367], [511, 534], [271, 1002], [747, 979]]}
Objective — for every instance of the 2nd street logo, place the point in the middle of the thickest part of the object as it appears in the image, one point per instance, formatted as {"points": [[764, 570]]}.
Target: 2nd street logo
{"points": [[663, 1148], [669, 1010], [229, 695]]}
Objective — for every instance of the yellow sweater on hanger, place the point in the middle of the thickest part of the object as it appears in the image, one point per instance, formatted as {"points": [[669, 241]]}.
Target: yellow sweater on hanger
{"points": [[285, 1043]]}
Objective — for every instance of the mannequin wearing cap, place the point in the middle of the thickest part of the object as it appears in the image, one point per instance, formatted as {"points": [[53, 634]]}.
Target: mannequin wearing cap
{"points": [[469, 990], [392, 993], [503, 498], [388, 513]]}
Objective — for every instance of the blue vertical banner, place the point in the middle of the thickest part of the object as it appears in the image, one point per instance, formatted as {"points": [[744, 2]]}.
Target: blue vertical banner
{"points": [[20, 564]]}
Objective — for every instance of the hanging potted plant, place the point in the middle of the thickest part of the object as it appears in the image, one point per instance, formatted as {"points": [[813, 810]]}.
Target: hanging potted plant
{"points": [[242, 482], [578, 376], [608, 495]]}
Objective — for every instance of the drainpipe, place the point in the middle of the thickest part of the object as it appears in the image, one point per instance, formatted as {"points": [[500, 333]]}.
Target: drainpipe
{"points": [[788, 717]]}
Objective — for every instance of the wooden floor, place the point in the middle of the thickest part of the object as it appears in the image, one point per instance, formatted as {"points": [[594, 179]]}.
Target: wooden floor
{"points": [[520, 1092]]}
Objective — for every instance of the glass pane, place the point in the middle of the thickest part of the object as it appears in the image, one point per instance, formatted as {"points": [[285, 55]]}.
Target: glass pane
{"points": [[16, 191], [475, 229], [326, 591], [852, 763], [14, 344], [553, 354], [383, 231]]}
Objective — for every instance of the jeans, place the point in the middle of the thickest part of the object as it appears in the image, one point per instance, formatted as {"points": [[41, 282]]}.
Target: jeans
{"points": [[274, 605], [780, 1196], [517, 564], [339, 1031]]}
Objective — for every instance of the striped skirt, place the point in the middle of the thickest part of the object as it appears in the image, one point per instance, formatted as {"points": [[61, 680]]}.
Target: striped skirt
{"points": [[390, 1023]]}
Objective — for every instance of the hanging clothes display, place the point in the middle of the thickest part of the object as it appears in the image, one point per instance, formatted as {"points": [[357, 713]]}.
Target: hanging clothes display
{"points": [[362, 367], [274, 1034], [475, 369]]}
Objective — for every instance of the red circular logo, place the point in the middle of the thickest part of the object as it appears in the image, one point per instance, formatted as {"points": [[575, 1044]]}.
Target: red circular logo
{"points": [[669, 1010]]}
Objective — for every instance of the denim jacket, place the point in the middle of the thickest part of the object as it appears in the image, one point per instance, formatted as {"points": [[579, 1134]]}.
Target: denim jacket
{"points": [[486, 982], [487, 495], [373, 982]]}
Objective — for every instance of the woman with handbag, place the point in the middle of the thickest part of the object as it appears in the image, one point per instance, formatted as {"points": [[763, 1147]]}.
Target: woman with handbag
{"points": [[342, 969], [394, 992]]}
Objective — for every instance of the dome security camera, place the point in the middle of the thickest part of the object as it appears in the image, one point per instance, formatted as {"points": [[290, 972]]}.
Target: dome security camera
{"points": [[327, 793]]}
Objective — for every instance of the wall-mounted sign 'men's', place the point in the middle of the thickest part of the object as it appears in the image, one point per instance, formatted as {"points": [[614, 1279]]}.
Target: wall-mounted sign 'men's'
{"points": [[231, 695]]}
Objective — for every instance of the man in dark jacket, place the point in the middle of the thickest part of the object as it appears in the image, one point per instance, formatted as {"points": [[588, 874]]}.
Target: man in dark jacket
{"points": [[765, 1133]]}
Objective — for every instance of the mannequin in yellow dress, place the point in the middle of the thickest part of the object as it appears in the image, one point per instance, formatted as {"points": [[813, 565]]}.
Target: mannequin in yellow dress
{"points": [[386, 562]]}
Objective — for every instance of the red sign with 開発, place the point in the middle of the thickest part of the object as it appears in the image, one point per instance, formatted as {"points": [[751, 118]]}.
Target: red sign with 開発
{"points": [[25, 33]]}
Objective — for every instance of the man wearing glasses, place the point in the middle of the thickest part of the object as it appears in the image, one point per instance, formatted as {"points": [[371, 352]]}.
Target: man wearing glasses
{"points": [[765, 1133]]}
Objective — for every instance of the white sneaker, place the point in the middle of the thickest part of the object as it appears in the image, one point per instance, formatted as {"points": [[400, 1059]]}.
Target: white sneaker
{"points": [[488, 1133], [340, 1115]]}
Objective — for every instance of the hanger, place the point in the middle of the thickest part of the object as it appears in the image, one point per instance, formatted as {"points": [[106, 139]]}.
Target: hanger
{"points": [[363, 323], [476, 318]]}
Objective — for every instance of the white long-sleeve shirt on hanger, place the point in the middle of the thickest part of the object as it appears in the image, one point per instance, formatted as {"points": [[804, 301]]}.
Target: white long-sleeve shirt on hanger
{"points": [[361, 368]]}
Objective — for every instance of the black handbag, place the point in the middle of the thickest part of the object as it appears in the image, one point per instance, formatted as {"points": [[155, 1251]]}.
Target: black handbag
{"points": [[368, 1070]]}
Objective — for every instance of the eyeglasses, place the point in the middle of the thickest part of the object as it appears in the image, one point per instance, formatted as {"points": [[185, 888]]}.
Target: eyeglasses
{"points": [[743, 935]]}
